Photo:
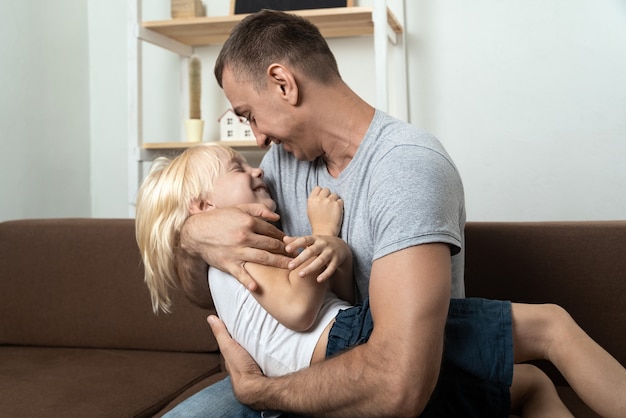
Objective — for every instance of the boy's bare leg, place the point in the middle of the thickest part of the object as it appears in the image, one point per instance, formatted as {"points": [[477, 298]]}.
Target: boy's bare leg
{"points": [[549, 332], [533, 394]]}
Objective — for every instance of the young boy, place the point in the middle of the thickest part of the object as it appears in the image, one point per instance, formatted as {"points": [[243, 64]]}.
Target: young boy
{"points": [[292, 321]]}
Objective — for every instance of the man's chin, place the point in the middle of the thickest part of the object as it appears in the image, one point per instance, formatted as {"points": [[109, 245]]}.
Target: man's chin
{"points": [[297, 154]]}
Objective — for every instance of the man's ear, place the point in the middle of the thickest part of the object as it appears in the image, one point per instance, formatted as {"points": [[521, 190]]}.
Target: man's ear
{"points": [[282, 79], [200, 205]]}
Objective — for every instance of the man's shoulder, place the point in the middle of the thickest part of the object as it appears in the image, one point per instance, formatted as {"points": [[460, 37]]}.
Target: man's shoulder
{"points": [[389, 134]]}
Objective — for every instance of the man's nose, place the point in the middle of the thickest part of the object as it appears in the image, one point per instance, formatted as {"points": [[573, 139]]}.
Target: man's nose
{"points": [[262, 140]]}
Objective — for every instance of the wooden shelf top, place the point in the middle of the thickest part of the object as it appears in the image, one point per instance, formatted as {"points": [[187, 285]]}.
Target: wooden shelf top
{"points": [[239, 145], [211, 30]]}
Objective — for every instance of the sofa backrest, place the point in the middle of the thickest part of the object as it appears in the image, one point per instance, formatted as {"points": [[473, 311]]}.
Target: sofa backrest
{"points": [[79, 283], [578, 265]]}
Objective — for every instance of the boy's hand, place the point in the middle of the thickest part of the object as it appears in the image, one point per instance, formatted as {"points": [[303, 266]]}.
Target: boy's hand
{"points": [[325, 211], [329, 253]]}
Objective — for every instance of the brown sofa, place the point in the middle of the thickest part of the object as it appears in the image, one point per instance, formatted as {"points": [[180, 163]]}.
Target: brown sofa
{"points": [[78, 337]]}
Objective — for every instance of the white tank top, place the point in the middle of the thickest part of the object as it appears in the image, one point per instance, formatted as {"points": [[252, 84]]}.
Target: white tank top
{"points": [[276, 349]]}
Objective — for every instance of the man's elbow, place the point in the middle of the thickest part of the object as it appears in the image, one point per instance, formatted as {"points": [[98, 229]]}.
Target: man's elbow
{"points": [[409, 395], [196, 289]]}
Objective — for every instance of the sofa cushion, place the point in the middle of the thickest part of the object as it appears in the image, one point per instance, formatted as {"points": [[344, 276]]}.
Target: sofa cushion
{"points": [[79, 283], [70, 382]]}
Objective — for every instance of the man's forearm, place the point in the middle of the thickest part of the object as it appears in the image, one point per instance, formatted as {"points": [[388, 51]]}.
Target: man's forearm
{"points": [[358, 383]]}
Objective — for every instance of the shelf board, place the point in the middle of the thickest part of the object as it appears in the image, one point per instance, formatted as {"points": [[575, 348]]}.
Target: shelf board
{"points": [[211, 30], [239, 145]]}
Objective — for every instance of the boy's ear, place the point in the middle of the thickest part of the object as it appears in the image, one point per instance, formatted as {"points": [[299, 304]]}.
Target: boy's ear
{"points": [[200, 205], [282, 78]]}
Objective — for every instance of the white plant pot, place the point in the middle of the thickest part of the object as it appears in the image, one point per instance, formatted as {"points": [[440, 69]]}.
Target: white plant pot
{"points": [[194, 128]]}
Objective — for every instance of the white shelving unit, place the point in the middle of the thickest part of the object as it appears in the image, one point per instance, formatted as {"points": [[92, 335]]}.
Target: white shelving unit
{"points": [[181, 36]]}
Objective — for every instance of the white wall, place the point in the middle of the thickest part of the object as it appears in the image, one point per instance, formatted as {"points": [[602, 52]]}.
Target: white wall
{"points": [[108, 107], [528, 97], [44, 103]]}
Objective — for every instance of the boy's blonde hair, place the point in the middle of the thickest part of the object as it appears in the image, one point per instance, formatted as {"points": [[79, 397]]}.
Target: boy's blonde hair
{"points": [[163, 203]]}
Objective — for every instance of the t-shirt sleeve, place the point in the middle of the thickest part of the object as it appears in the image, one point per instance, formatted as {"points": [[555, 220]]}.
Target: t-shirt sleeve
{"points": [[416, 197]]}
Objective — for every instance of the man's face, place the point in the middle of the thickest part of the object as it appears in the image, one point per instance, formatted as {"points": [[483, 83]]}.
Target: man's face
{"points": [[270, 117]]}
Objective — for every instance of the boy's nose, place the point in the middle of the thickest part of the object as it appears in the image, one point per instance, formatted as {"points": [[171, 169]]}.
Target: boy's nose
{"points": [[257, 172]]}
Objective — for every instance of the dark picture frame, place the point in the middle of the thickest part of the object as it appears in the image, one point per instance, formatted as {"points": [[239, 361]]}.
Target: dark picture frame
{"points": [[252, 6]]}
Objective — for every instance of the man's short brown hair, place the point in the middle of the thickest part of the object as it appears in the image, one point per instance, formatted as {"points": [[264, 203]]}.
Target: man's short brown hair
{"points": [[270, 37]]}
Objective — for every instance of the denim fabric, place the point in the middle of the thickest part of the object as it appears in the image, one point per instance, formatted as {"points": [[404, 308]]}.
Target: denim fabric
{"points": [[479, 339], [477, 368], [215, 401], [352, 327]]}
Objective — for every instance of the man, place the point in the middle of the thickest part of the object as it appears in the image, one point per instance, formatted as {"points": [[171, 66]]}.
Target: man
{"points": [[404, 220]]}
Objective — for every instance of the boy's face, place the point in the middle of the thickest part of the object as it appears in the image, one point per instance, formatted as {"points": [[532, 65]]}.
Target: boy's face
{"points": [[240, 183]]}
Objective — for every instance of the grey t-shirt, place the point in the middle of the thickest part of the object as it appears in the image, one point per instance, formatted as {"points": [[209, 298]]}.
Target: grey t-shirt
{"points": [[401, 189]]}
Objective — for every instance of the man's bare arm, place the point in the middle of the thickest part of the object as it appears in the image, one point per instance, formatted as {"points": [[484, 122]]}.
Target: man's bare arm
{"points": [[393, 374], [192, 275]]}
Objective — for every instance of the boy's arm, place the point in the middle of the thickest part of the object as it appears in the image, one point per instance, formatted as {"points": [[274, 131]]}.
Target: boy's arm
{"points": [[294, 297], [294, 300], [324, 251], [326, 257]]}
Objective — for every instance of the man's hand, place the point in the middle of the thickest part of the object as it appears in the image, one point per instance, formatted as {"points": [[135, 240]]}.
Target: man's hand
{"points": [[240, 365], [229, 237]]}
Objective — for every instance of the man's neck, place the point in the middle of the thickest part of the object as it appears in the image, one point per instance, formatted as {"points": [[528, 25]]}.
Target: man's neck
{"points": [[346, 124]]}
